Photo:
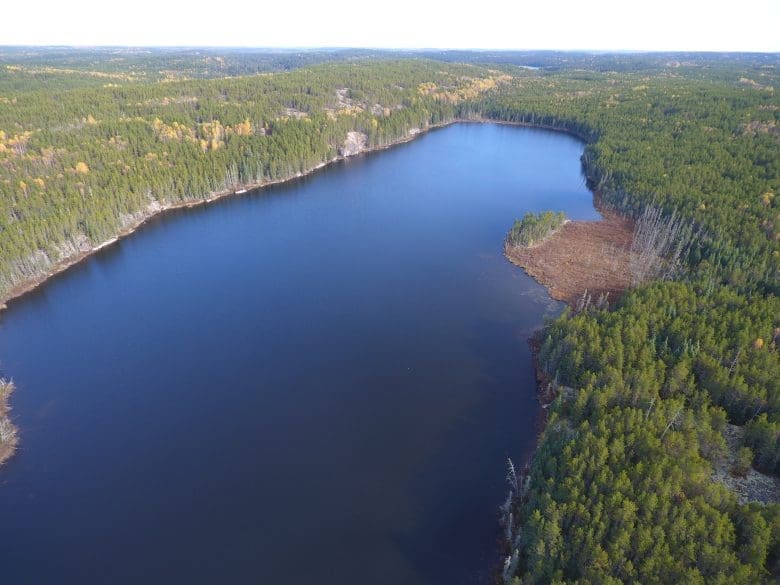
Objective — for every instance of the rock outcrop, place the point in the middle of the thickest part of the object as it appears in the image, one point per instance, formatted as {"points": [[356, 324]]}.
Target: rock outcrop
{"points": [[354, 144]]}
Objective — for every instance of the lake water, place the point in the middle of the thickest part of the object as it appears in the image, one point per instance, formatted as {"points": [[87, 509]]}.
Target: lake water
{"points": [[319, 382]]}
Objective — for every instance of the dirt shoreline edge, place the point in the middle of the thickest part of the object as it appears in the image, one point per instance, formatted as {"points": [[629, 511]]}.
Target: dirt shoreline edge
{"points": [[582, 261]]}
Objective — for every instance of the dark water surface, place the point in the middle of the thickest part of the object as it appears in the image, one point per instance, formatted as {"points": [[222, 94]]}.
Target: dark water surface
{"points": [[315, 383]]}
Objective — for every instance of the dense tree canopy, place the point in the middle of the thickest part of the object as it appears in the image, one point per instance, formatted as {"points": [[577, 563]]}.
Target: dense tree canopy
{"points": [[79, 164], [621, 487], [534, 227]]}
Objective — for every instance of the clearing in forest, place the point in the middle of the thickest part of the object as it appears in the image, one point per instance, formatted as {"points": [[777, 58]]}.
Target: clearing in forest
{"points": [[592, 256]]}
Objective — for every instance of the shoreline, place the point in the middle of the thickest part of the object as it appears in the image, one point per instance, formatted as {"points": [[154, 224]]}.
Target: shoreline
{"points": [[547, 261], [582, 261], [18, 292], [9, 436], [33, 283]]}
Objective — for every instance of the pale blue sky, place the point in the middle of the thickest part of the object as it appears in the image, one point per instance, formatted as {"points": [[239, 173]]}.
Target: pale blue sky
{"points": [[715, 25]]}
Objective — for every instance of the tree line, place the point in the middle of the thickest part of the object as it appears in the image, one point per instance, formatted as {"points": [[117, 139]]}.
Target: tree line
{"points": [[620, 489], [78, 165]]}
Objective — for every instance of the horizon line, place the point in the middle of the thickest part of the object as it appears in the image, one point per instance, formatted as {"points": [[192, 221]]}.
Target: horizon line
{"points": [[387, 48]]}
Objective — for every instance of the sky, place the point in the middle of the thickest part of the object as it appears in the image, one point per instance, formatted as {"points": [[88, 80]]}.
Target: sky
{"points": [[643, 25]]}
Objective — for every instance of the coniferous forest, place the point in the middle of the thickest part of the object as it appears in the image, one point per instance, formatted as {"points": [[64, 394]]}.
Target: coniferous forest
{"points": [[624, 486]]}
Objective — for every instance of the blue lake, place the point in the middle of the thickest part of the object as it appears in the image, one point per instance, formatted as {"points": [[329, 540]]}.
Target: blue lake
{"points": [[317, 382]]}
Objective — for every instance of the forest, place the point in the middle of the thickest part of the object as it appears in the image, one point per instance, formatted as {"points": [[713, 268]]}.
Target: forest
{"points": [[621, 488], [79, 164], [534, 227]]}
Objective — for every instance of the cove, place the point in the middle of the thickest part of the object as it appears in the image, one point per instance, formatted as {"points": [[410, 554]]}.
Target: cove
{"points": [[319, 381]]}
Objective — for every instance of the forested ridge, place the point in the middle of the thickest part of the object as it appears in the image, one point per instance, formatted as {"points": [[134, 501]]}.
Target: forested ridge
{"points": [[78, 164], [621, 488]]}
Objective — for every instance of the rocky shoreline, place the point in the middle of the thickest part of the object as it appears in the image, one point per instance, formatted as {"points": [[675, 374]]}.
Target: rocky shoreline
{"points": [[9, 437], [354, 145]]}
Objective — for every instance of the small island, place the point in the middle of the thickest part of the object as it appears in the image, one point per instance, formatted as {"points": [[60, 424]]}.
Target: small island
{"points": [[535, 228]]}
